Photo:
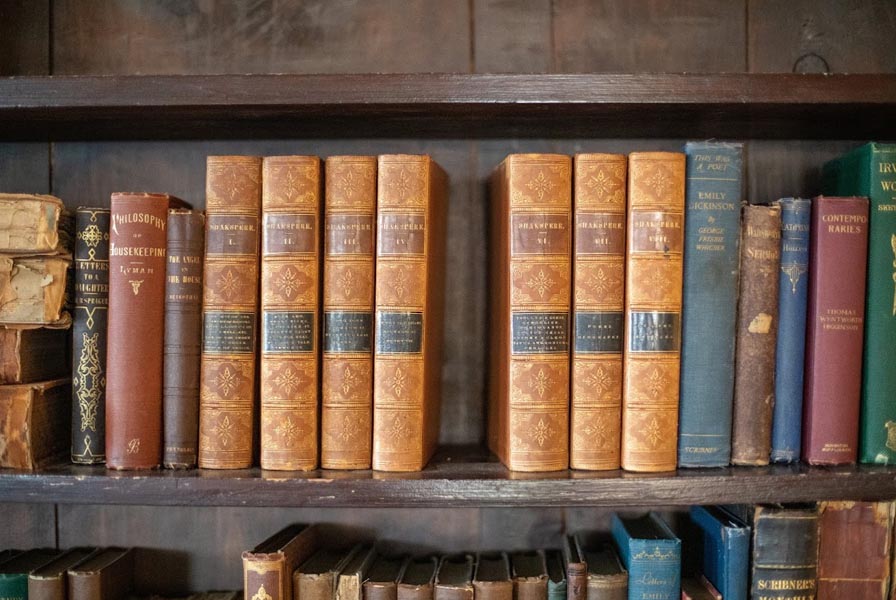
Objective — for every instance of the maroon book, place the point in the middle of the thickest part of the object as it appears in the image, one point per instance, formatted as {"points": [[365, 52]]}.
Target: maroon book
{"points": [[834, 330]]}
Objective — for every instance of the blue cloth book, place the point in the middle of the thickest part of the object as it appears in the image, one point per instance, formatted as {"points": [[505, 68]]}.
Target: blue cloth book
{"points": [[725, 551], [793, 286], [651, 554], [709, 309]]}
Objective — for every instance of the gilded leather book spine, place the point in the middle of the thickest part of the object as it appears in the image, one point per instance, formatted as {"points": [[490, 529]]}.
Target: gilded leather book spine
{"points": [[597, 307], [410, 239], [531, 224], [653, 311], [89, 329], [290, 295], [183, 338], [347, 361], [757, 327], [229, 312]]}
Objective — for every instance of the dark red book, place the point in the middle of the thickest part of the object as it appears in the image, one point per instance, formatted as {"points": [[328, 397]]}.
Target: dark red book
{"points": [[838, 254]]}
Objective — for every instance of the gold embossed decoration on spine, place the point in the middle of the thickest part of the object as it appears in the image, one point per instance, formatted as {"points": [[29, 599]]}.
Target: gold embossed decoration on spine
{"points": [[289, 311], [347, 360], [229, 312], [410, 265], [653, 311], [598, 294], [529, 398]]}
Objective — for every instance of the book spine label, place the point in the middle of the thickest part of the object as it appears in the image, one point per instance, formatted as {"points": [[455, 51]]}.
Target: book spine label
{"points": [[854, 550], [654, 570], [137, 250], [183, 338], [653, 311], [89, 329], [410, 241], [785, 554], [835, 327], [229, 312], [757, 327], [347, 361], [598, 292], [290, 294], [712, 238], [793, 285]]}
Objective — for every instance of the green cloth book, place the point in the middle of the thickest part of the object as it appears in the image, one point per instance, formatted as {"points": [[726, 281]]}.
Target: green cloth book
{"points": [[870, 171]]}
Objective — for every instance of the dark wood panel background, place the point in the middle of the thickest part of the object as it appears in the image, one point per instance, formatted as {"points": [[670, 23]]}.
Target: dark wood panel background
{"points": [[197, 548]]}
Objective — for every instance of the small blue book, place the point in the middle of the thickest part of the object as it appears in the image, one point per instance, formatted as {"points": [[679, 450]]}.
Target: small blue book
{"points": [[651, 554], [726, 550], [709, 304], [793, 287]]}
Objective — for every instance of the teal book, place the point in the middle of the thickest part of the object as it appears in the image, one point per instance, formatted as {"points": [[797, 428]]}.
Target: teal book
{"points": [[870, 171], [14, 572], [651, 554]]}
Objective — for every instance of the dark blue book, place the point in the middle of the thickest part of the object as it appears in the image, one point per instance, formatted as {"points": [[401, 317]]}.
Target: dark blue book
{"points": [[709, 310], [725, 550], [651, 554], [793, 289]]}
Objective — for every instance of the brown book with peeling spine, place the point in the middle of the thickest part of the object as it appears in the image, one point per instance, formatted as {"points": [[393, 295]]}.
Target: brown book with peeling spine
{"points": [[491, 580], [229, 312], [35, 421], [653, 283], [268, 568], [383, 576], [33, 290], [598, 263], [418, 579], [33, 224], [607, 578], [454, 580], [757, 329], [528, 424], [106, 575], [32, 354], [412, 199], [315, 579], [350, 581], [347, 359], [290, 292], [530, 575]]}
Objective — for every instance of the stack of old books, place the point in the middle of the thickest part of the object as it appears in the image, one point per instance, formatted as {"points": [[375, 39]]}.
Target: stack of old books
{"points": [[35, 255]]}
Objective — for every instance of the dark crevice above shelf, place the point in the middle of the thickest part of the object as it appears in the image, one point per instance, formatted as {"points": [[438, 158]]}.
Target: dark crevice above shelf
{"points": [[457, 476], [448, 106]]}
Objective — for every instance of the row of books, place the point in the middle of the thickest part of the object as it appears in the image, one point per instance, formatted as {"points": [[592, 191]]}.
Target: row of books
{"points": [[644, 316], [76, 574], [832, 551]]}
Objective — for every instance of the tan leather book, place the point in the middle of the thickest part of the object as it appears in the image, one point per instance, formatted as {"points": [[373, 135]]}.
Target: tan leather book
{"points": [[32, 224], [49, 582], [347, 361], [530, 575], [653, 310], [576, 570], [229, 312], [315, 579], [491, 581], [268, 568], [34, 423], [531, 196], [32, 354], [290, 296], [33, 291], [607, 578], [595, 414], [105, 575], [418, 579], [349, 582], [382, 579], [412, 198], [454, 579]]}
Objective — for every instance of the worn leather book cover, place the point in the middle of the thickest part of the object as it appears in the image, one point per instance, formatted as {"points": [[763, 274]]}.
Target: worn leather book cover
{"points": [[268, 568], [698, 588], [854, 543], [653, 286], [598, 264], [528, 411], [348, 297], [607, 578], [14, 572], [454, 579], [491, 580], [834, 330], [383, 576], [290, 297], [576, 570], [32, 354], [785, 553], [32, 224], [530, 575], [137, 250], [757, 327], [556, 571], [870, 171], [229, 312], [651, 554], [315, 579], [349, 583], [412, 202], [418, 579], [49, 582], [90, 320], [790, 353], [34, 423], [183, 338], [724, 550], [33, 290], [714, 189], [105, 575]]}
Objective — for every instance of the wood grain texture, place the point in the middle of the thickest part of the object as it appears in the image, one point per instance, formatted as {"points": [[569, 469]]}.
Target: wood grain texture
{"points": [[512, 36], [259, 36], [24, 37], [28, 526], [814, 36]]}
